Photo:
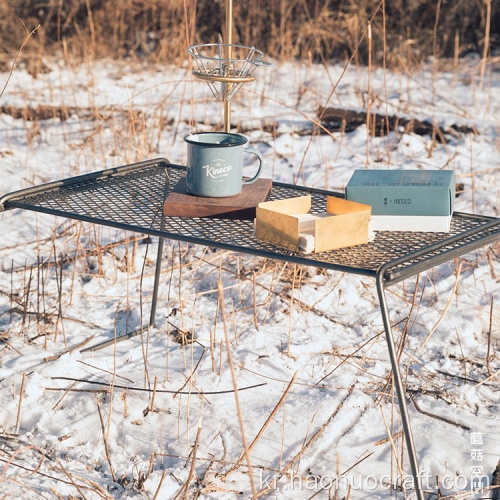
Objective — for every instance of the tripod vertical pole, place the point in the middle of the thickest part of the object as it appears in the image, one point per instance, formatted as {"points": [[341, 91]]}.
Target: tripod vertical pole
{"points": [[229, 41]]}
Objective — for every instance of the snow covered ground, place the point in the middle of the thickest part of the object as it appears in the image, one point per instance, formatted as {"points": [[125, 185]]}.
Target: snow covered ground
{"points": [[63, 282]]}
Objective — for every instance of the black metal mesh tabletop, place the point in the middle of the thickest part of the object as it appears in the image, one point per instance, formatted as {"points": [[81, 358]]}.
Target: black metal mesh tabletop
{"points": [[132, 197]]}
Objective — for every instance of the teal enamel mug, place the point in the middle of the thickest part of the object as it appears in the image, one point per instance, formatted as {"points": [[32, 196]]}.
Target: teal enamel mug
{"points": [[215, 164]]}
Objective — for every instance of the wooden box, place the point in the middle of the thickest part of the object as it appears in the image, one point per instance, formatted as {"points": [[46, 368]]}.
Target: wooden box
{"points": [[290, 224], [180, 203]]}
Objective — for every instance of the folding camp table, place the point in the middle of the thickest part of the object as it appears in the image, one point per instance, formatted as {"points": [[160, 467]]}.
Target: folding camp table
{"points": [[131, 197]]}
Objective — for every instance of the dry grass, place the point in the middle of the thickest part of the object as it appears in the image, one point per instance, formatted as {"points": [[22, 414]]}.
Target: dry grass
{"points": [[160, 30]]}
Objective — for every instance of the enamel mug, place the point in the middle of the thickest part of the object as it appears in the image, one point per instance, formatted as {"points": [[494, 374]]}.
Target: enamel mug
{"points": [[215, 164]]}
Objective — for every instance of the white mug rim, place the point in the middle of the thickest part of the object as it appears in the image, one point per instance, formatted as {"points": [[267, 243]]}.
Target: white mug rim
{"points": [[242, 140]]}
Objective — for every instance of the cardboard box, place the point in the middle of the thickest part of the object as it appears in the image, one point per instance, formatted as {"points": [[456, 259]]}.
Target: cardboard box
{"points": [[412, 223], [289, 223], [404, 192]]}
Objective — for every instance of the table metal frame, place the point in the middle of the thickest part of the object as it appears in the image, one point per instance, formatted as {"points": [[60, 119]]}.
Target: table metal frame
{"points": [[131, 197]]}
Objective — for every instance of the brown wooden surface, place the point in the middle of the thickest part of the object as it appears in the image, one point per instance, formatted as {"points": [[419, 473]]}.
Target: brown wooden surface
{"points": [[277, 223], [242, 206]]}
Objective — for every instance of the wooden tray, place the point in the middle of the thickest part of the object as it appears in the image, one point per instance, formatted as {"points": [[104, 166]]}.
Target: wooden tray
{"points": [[242, 206]]}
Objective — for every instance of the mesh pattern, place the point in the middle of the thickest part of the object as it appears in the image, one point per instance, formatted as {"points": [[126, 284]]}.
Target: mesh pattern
{"points": [[134, 200]]}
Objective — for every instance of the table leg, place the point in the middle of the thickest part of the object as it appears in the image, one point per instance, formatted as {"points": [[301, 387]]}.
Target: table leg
{"points": [[159, 256], [152, 315], [400, 391]]}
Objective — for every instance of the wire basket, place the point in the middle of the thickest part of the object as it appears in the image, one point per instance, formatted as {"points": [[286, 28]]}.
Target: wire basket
{"points": [[228, 64]]}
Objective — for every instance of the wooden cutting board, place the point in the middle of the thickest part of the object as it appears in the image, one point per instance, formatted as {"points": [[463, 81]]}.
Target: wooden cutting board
{"points": [[242, 206]]}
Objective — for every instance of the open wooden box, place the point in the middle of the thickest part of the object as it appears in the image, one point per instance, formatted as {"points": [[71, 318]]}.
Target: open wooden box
{"points": [[289, 223]]}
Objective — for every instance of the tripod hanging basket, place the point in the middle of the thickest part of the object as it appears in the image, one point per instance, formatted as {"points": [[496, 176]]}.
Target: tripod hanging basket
{"points": [[228, 64]]}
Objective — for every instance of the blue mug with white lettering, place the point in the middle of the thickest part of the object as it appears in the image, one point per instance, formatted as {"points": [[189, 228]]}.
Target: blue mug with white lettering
{"points": [[215, 164]]}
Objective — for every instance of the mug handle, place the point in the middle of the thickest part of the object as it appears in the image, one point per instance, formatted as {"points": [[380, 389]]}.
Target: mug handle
{"points": [[258, 155]]}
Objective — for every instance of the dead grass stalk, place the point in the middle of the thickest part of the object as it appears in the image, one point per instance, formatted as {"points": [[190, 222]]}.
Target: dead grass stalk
{"points": [[235, 385]]}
